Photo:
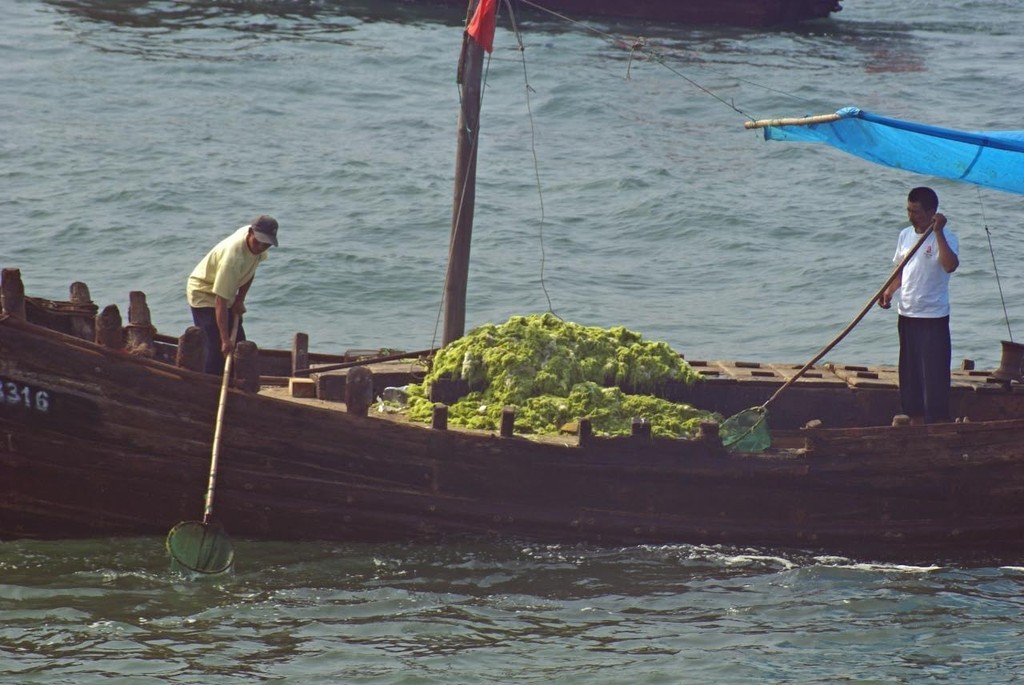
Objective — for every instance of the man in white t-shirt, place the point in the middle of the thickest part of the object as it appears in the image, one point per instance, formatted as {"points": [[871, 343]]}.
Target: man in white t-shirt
{"points": [[217, 287], [925, 349]]}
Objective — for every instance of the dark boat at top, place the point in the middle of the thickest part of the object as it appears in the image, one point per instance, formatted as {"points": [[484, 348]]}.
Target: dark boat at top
{"points": [[105, 429], [751, 13]]}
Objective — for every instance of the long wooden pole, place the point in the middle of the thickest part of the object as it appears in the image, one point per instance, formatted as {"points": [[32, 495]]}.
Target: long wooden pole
{"points": [[863, 312], [218, 426], [470, 69], [795, 121], [366, 362]]}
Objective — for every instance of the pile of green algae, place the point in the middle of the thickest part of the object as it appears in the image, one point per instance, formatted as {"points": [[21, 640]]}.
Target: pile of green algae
{"points": [[554, 372]]}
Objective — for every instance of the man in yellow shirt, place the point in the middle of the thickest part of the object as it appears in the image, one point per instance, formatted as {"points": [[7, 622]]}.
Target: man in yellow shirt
{"points": [[218, 285]]}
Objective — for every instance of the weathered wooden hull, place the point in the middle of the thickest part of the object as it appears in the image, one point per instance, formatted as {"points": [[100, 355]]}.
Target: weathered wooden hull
{"points": [[751, 13], [94, 442]]}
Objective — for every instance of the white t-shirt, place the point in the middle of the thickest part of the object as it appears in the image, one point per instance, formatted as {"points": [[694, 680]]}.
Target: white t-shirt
{"points": [[225, 269], [924, 293]]}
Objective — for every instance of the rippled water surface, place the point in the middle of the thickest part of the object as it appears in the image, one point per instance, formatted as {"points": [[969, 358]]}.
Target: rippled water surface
{"points": [[108, 610], [617, 187]]}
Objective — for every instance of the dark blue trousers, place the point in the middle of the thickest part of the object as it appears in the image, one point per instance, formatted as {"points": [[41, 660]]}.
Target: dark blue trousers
{"points": [[925, 357], [206, 319]]}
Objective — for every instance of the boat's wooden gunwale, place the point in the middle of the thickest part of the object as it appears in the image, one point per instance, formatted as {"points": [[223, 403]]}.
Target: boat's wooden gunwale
{"points": [[131, 457]]}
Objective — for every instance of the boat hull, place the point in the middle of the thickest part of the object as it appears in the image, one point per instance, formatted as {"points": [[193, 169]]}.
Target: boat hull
{"points": [[94, 442]]}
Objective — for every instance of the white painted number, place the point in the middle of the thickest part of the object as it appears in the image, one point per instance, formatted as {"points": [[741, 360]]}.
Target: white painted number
{"points": [[18, 394]]}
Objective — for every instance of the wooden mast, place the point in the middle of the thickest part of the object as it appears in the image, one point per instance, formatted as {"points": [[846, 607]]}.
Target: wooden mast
{"points": [[470, 70]]}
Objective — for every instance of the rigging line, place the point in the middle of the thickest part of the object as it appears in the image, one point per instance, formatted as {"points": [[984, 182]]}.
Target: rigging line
{"points": [[533, 152], [660, 59], [999, 285], [641, 44], [657, 57]]}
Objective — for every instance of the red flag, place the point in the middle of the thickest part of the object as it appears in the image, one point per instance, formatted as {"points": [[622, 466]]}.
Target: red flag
{"points": [[481, 27]]}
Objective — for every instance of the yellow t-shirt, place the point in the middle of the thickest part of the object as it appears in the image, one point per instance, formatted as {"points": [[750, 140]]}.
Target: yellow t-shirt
{"points": [[225, 269]]}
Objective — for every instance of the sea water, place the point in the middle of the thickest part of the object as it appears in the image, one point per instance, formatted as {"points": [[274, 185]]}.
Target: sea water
{"points": [[616, 186]]}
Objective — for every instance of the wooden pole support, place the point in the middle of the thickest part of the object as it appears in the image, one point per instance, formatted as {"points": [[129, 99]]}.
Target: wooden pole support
{"points": [[508, 421], [359, 391], [109, 332], [300, 355], [246, 367], [707, 431], [585, 431], [82, 326], [191, 352], [12, 293], [140, 329], [439, 419]]}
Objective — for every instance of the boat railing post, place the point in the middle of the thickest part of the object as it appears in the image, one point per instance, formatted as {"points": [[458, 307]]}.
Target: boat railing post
{"points": [[508, 420], [82, 326], [707, 432], [300, 355], [358, 390], [191, 350], [109, 331], [439, 418], [585, 432], [12, 293], [246, 367], [140, 328]]}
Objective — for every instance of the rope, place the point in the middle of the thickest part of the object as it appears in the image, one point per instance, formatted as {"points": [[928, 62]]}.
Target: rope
{"points": [[641, 44], [533, 151], [999, 285], [638, 45]]}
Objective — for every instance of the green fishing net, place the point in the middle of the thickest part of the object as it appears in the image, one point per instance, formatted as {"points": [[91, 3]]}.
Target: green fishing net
{"points": [[200, 548], [746, 431]]}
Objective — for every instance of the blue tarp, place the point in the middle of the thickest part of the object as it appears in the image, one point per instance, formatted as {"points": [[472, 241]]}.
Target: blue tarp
{"points": [[992, 159]]}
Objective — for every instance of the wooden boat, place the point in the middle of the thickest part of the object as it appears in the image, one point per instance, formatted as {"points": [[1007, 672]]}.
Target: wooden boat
{"points": [[752, 13], [96, 441]]}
